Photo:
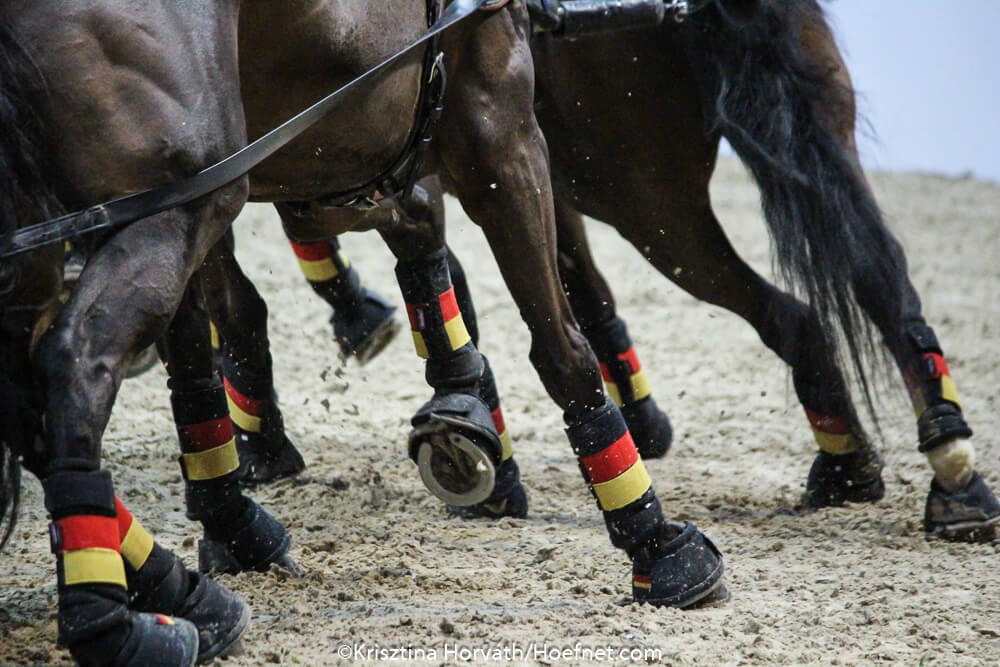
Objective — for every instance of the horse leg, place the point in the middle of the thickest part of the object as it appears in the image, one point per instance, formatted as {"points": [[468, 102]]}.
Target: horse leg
{"points": [[497, 159], [239, 319], [363, 322], [239, 534], [960, 504], [700, 259], [594, 308]]}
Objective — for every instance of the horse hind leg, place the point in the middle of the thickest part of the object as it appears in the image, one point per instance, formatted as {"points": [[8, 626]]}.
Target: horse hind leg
{"points": [[594, 308], [239, 325], [700, 259]]}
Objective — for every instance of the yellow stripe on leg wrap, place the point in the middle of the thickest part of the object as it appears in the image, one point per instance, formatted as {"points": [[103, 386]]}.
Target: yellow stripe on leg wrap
{"points": [[93, 566], [640, 385], [613, 392], [834, 443], [420, 345], [244, 420], [216, 343], [137, 545], [211, 463], [318, 271], [623, 489], [508, 447], [949, 391], [458, 335]]}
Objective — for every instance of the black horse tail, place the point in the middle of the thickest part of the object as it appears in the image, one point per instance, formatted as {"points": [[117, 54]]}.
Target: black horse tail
{"points": [[784, 110], [24, 196]]}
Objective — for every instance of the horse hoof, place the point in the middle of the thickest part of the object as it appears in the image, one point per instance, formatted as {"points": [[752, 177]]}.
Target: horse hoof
{"points": [[970, 514], [687, 570], [261, 541], [367, 331], [262, 460], [650, 428], [456, 448], [508, 497], [219, 615], [835, 479], [155, 639]]}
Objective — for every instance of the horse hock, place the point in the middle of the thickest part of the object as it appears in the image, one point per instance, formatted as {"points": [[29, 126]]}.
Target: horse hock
{"points": [[672, 565], [239, 534]]}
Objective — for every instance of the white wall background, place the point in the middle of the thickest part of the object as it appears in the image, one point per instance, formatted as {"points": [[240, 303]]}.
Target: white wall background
{"points": [[928, 72]]}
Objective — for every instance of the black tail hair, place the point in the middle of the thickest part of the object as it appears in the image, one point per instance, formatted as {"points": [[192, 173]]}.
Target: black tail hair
{"points": [[24, 196], [776, 105]]}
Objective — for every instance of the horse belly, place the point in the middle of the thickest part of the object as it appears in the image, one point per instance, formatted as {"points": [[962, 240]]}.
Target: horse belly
{"points": [[291, 59]]}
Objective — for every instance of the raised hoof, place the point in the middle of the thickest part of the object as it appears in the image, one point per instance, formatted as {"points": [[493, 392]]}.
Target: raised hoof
{"points": [[687, 571], [260, 542], [508, 497], [365, 332], [970, 514], [155, 639], [650, 428], [837, 479], [220, 616], [456, 448], [143, 362], [262, 460]]}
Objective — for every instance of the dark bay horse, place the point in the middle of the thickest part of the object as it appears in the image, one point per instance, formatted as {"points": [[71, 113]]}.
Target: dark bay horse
{"points": [[128, 96], [633, 143]]}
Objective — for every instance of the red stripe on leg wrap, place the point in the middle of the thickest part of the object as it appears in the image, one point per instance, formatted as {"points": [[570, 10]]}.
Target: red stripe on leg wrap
{"points": [[498, 422], [87, 531], [611, 461], [449, 305], [632, 358], [824, 424], [124, 518], [939, 364], [249, 405], [312, 252], [207, 435], [605, 373]]}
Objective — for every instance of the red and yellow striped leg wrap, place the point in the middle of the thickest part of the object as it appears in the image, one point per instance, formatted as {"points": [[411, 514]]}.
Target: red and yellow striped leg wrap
{"points": [[87, 549], [209, 449], [642, 581], [930, 383], [638, 385], [136, 542], [246, 412], [319, 261], [833, 434], [427, 337], [617, 474], [501, 427]]}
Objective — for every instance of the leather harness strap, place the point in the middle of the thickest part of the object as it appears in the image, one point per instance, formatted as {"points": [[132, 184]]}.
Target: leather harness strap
{"points": [[125, 210]]}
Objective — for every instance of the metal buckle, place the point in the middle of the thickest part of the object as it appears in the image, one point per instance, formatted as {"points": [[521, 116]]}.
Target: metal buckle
{"points": [[55, 537]]}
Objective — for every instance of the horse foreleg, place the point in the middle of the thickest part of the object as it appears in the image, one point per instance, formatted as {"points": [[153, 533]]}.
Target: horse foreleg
{"points": [[594, 308], [239, 534], [239, 316], [363, 322], [497, 159]]}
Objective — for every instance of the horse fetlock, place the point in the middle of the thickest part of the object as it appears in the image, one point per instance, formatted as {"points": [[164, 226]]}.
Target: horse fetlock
{"points": [[457, 449], [969, 513], [650, 428], [835, 479], [678, 567], [252, 541], [366, 330], [508, 497]]}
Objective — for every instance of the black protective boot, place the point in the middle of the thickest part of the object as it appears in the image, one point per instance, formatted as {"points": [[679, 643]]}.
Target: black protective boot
{"points": [[672, 565]]}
